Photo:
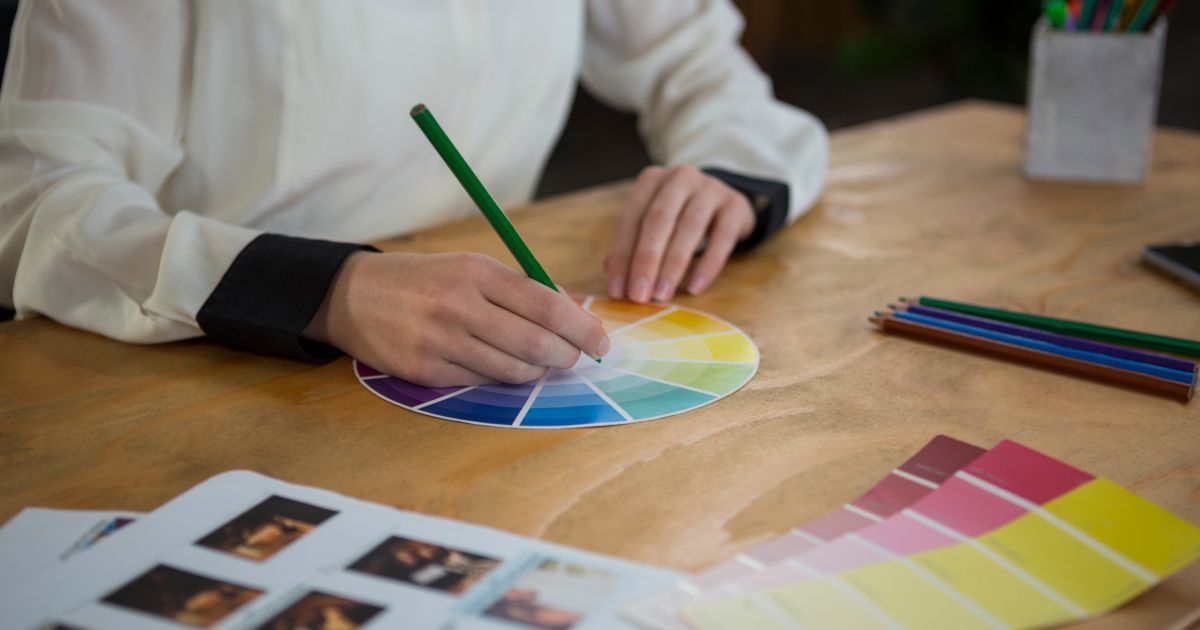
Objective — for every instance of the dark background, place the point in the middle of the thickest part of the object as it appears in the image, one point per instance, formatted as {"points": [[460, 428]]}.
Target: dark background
{"points": [[858, 60], [853, 61]]}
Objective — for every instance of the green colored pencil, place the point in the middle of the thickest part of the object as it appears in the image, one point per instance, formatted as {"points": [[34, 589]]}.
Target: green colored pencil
{"points": [[1067, 327], [495, 216], [479, 195]]}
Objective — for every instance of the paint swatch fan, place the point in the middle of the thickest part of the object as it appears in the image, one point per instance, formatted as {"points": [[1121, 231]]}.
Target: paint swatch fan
{"points": [[665, 360]]}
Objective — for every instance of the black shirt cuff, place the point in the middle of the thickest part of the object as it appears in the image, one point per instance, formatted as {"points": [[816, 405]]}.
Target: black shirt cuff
{"points": [[768, 199], [271, 292]]}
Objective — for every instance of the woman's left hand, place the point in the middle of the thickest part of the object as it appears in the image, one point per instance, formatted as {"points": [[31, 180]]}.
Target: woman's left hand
{"points": [[669, 215]]}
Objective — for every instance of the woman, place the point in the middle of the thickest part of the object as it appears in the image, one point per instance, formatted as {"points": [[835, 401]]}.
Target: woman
{"points": [[166, 168]]}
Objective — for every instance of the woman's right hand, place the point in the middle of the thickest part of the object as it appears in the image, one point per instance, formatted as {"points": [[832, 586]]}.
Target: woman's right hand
{"points": [[452, 319]]}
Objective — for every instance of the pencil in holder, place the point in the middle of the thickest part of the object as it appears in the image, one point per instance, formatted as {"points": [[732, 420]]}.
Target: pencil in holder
{"points": [[1092, 104]]}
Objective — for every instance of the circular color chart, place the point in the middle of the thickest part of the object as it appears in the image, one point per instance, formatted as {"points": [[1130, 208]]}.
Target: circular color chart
{"points": [[665, 359]]}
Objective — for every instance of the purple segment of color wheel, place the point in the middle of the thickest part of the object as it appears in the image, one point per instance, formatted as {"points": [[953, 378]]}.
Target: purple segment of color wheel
{"points": [[405, 393], [1059, 340], [366, 371]]}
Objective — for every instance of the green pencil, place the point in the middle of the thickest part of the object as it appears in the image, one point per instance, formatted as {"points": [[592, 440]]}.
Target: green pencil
{"points": [[1121, 336], [495, 216]]}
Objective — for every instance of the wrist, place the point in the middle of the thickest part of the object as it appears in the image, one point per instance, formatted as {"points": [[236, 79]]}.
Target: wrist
{"points": [[334, 309]]}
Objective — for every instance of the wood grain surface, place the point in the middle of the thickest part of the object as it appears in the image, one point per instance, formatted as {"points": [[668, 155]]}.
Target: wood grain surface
{"points": [[928, 203]]}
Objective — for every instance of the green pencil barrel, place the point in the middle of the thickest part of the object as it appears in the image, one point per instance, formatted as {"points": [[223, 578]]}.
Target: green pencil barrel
{"points": [[1149, 341], [500, 223]]}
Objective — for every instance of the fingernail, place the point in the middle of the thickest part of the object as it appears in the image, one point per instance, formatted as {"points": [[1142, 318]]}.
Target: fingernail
{"points": [[696, 285], [605, 346], [616, 287], [640, 291], [664, 290]]}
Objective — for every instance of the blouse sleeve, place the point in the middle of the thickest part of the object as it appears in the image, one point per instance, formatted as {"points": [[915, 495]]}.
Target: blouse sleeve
{"points": [[91, 114], [699, 97]]}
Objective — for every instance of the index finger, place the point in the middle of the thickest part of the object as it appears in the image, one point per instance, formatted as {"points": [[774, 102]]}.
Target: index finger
{"points": [[554, 311]]}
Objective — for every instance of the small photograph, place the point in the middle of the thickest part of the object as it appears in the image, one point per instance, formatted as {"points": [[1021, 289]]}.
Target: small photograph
{"points": [[322, 611], [556, 595], [180, 596], [265, 529], [425, 564]]}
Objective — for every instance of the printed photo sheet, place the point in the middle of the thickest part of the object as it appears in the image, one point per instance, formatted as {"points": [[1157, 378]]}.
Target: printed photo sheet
{"points": [[246, 551]]}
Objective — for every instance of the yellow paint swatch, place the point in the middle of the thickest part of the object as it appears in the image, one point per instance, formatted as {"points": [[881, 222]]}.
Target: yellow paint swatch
{"points": [[909, 599], [739, 612], [820, 604], [992, 587], [677, 323], [732, 347], [1120, 519], [1063, 563]]}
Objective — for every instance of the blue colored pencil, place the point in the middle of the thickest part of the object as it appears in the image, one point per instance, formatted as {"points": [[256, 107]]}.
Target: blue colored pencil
{"points": [[1086, 345], [1177, 376]]}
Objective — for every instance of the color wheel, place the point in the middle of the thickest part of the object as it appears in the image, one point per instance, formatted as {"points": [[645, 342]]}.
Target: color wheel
{"points": [[665, 360]]}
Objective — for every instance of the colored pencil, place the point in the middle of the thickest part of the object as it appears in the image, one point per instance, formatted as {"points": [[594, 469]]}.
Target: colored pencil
{"points": [[1086, 345], [1142, 16], [1041, 346], [488, 206], [1160, 10], [1124, 377], [1099, 15], [1149, 341], [1110, 20], [1085, 15], [495, 216]]}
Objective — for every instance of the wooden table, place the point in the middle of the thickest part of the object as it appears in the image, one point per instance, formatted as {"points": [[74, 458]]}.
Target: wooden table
{"points": [[927, 203]]}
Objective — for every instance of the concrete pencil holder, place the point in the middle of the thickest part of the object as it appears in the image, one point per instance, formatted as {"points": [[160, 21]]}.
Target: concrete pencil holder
{"points": [[1093, 102]]}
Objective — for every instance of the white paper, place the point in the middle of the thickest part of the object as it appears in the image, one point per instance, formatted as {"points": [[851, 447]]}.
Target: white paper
{"points": [[409, 570], [39, 538]]}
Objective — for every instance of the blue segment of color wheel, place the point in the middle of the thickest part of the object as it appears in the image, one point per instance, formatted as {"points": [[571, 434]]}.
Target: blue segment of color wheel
{"points": [[665, 360]]}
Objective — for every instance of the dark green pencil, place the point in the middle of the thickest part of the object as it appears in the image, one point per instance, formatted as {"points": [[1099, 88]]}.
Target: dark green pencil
{"points": [[495, 216], [1109, 334]]}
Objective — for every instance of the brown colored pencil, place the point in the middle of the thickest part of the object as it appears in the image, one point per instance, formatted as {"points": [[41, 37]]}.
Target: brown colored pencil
{"points": [[1124, 377]]}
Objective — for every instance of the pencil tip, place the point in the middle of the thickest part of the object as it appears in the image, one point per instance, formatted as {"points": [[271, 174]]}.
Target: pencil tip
{"points": [[417, 109]]}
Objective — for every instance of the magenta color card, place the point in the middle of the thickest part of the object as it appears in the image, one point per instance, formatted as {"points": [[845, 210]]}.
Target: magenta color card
{"points": [[1026, 472], [840, 555], [781, 547], [835, 524], [935, 462], [902, 535], [968, 509], [891, 495], [941, 458]]}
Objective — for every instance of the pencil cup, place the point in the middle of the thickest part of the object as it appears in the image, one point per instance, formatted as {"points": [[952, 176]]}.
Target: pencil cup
{"points": [[1093, 101]]}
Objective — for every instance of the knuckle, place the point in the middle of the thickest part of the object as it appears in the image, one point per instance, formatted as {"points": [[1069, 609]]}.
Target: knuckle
{"points": [[422, 373], [474, 263], [687, 172], [552, 311], [646, 258], [539, 348], [519, 372], [675, 263], [659, 212], [651, 172]]}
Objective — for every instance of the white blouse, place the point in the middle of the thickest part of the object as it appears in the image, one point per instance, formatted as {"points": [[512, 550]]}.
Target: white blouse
{"points": [[144, 143]]}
